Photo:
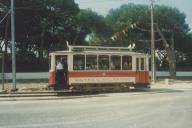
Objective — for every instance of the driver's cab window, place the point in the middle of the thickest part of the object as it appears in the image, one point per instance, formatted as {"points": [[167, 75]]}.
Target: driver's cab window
{"points": [[140, 64]]}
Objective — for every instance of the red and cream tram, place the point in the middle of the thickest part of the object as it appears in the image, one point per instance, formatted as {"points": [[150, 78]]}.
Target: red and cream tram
{"points": [[94, 66]]}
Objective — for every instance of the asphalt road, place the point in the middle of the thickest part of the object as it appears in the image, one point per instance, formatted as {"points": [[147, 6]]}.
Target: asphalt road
{"points": [[159, 109]]}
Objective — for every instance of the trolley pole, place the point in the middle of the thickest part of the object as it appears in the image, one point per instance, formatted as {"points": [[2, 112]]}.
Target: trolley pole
{"points": [[13, 46], [153, 64]]}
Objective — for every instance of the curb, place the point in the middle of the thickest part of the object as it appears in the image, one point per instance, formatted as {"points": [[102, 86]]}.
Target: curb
{"points": [[4, 94], [43, 95], [47, 98]]}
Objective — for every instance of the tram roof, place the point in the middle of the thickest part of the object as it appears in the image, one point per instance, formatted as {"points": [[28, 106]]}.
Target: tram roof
{"points": [[97, 50]]}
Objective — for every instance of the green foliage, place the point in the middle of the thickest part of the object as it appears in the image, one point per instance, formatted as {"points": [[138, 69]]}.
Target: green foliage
{"points": [[41, 26], [127, 14], [51, 18], [89, 22], [46, 25], [185, 44], [170, 20]]}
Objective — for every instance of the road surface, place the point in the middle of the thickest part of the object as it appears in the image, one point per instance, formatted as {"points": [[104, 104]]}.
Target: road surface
{"points": [[160, 108]]}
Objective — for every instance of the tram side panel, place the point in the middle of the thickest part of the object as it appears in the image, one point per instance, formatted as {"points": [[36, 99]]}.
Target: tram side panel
{"points": [[52, 78], [142, 78], [133, 78], [101, 77], [53, 75], [141, 71]]}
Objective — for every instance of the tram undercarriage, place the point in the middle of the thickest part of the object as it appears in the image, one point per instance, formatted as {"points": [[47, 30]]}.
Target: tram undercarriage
{"points": [[97, 88], [101, 87]]}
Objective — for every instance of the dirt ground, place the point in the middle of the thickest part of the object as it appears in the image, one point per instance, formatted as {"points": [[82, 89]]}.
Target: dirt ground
{"points": [[173, 84], [26, 85]]}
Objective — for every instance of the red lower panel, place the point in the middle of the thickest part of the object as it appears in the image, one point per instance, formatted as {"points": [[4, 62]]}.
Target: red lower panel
{"points": [[142, 77], [52, 78]]}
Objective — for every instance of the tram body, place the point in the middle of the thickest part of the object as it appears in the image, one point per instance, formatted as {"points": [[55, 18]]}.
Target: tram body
{"points": [[89, 65]]}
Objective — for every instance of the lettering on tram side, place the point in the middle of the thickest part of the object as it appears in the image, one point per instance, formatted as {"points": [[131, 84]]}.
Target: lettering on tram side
{"points": [[101, 80]]}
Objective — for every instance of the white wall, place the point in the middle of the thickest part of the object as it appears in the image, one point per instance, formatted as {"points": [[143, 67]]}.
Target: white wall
{"points": [[29, 75]]}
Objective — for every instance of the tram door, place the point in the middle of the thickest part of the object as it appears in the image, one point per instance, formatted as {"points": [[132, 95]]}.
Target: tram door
{"points": [[61, 72], [141, 71]]}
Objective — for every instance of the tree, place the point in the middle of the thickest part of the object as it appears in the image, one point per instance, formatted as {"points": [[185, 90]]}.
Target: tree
{"points": [[41, 26], [171, 28], [125, 16], [91, 24], [4, 25]]}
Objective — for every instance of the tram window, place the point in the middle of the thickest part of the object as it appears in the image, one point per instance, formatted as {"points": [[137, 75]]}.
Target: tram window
{"points": [[127, 62], [103, 62], [115, 62], [78, 62], [137, 63], [142, 64], [91, 62]]}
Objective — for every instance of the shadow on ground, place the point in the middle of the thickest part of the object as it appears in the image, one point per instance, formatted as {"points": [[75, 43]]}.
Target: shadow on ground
{"points": [[140, 91]]}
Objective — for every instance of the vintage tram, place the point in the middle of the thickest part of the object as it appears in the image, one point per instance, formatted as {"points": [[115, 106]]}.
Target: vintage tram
{"points": [[95, 67]]}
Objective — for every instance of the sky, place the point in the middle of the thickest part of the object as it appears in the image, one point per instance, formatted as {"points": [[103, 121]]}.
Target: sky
{"points": [[102, 7]]}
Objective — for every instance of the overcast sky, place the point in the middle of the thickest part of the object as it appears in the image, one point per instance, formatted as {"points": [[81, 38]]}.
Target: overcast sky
{"points": [[103, 6]]}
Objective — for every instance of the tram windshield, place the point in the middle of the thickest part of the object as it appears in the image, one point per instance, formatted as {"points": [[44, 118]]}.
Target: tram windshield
{"points": [[140, 64]]}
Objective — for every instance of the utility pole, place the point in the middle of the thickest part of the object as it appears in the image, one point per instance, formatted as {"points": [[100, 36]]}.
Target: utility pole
{"points": [[3, 73], [153, 64], [13, 46]]}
